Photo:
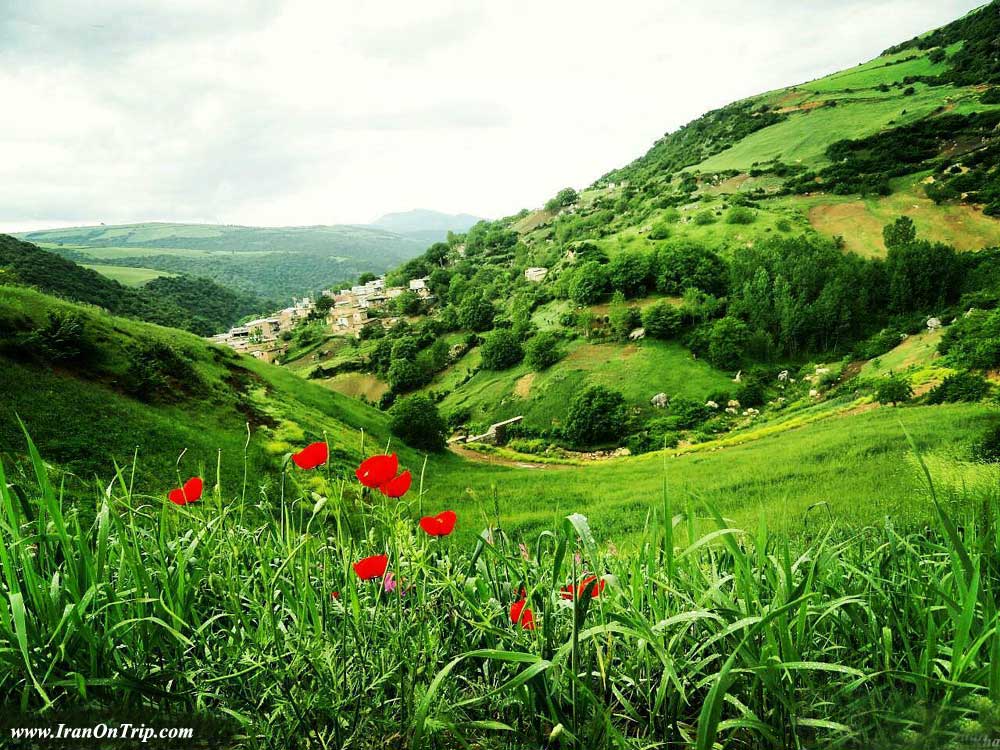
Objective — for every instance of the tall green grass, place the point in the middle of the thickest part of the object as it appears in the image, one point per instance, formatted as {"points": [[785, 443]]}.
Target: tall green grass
{"points": [[728, 638]]}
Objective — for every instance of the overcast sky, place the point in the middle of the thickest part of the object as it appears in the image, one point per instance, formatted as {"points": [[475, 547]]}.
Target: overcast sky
{"points": [[280, 112]]}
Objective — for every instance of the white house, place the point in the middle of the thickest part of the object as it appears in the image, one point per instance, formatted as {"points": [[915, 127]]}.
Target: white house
{"points": [[417, 285], [535, 273]]}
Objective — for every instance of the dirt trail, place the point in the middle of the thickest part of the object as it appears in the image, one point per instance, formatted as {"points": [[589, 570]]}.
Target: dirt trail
{"points": [[471, 455]]}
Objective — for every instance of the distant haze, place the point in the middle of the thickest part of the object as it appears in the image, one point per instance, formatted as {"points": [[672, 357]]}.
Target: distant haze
{"points": [[301, 112]]}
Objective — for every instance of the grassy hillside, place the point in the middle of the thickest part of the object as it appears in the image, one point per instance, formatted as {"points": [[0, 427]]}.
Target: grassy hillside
{"points": [[274, 262], [194, 304], [111, 388]]}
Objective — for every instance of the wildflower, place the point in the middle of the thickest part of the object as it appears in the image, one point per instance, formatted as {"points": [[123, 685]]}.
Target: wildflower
{"points": [[377, 470], [397, 486], [440, 525], [389, 582], [521, 614], [371, 567], [313, 455], [189, 493], [593, 584], [334, 594]]}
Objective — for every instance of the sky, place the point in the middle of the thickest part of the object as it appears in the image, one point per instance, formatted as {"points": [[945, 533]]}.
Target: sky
{"points": [[293, 112]]}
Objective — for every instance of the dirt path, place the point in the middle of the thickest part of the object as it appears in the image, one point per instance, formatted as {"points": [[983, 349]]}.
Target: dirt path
{"points": [[484, 458]]}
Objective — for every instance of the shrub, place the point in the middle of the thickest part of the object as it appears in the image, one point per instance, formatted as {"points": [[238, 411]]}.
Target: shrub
{"points": [[157, 372], [704, 218], [417, 422], [783, 225], [751, 394], [688, 413], [893, 389], [588, 283], [987, 447], [962, 386], [598, 415], [63, 338], [661, 320], [501, 349], [404, 375], [476, 313], [740, 215], [727, 342], [542, 351]]}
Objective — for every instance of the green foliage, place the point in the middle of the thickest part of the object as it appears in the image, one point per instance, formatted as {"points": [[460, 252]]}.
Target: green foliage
{"points": [[740, 215], [542, 351], [565, 197], [501, 349], [684, 266], [597, 416], [629, 273], [900, 233], [973, 341], [622, 318], [588, 283], [704, 218], [661, 320], [476, 313], [987, 447], [962, 386], [922, 276], [157, 372], [408, 303], [404, 375], [893, 389], [62, 339], [415, 420], [727, 342], [688, 413]]}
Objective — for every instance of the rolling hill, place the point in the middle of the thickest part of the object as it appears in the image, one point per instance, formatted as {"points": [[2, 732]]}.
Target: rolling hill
{"points": [[272, 262], [424, 225]]}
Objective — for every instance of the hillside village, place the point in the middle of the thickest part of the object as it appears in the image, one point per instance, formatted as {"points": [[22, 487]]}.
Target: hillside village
{"points": [[347, 311]]}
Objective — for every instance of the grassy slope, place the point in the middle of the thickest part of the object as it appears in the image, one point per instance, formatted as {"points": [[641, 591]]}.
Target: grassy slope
{"points": [[126, 275], [82, 421]]}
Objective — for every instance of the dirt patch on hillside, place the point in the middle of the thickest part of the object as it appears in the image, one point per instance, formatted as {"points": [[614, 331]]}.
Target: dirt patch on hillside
{"points": [[861, 231], [522, 387], [805, 107], [486, 458], [590, 353]]}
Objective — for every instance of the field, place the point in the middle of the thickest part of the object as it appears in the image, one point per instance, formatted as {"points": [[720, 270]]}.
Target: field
{"points": [[127, 275]]}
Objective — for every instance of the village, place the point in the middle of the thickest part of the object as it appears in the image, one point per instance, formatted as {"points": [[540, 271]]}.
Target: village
{"points": [[348, 311]]}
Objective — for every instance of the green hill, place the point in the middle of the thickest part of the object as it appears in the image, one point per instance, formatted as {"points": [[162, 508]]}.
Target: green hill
{"points": [[273, 262], [95, 390], [181, 301]]}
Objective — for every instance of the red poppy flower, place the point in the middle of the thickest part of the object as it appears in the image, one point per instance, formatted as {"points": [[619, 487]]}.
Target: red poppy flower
{"points": [[377, 470], [371, 567], [440, 525], [397, 486], [334, 594], [519, 613], [592, 583], [311, 456], [189, 493]]}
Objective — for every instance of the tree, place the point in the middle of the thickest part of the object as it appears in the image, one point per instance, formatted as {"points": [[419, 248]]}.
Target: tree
{"points": [[476, 313], [900, 233], [922, 275], [408, 303], [661, 320], [628, 273], [404, 375], [589, 283], [727, 342], [542, 351], [597, 416], [893, 389], [622, 319], [416, 420], [565, 197], [501, 349]]}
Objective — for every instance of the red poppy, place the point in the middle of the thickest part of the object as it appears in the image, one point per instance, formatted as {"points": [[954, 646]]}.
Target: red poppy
{"points": [[592, 583], [377, 470], [519, 613], [334, 594], [189, 493], [371, 567], [313, 455], [397, 486], [440, 525]]}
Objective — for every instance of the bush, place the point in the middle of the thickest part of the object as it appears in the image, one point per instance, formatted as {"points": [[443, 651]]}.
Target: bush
{"points": [[751, 394], [704, 218], [727, 342], [158, 373], [962, 386], [893, 389], [661, 320], [740, 215], [416, 421], [501, 349], [63, 338], [404, 375], [783, 225], [597, 416], [588, 283], [688, 413], [476, 313], [542, 351]]}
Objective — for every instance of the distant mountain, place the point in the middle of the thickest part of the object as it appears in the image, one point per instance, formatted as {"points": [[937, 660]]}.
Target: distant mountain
{"points": [[273, 262], [197, 305], [426, 225]]}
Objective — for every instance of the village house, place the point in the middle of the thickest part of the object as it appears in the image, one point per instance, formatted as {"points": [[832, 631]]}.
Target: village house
{"points": [[535, 273]]}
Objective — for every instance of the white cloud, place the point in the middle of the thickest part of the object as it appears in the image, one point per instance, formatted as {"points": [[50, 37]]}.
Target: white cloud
{"points": [[305, 111]]}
